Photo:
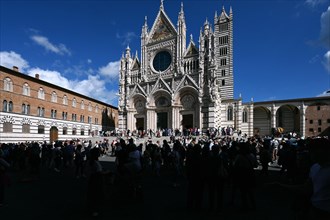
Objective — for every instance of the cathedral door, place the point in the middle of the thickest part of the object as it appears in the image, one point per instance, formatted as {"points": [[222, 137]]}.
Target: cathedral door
{"points": [[140, 124], [187, 121], [162, 120], [53, 134]]}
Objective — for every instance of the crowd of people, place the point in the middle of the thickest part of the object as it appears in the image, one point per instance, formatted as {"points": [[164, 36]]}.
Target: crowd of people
{"points": [[208, 163]]}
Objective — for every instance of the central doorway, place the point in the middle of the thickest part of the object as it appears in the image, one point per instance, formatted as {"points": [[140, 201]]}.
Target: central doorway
{"points": [[140, 124], [187, 121], [162, 120]]}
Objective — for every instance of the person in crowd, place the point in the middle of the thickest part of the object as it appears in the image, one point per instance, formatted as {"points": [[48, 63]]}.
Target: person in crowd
{"points": [[95, 190], [244, 176], [4, 166]]}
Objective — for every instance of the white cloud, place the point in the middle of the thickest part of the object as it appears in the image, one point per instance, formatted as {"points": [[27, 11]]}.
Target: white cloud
{"points": [[110, 70], [127, 38], [325, 93], [52, 77], [94, 86], [10, 59], [44, 42], [314, 3], [325, 28], [89, 61], [326, 61]]}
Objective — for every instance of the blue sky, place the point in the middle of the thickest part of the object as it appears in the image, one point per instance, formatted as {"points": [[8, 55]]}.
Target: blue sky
{"points": [[281, 47]]}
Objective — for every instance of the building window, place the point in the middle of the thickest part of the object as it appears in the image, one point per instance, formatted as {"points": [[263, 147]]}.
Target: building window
{"points": [[96, 121], [65, 130], [328, 120], [53, 113], [319, 122], [7, 106], [82, 131], [89, 119], [319, 129], [310, 121], [8, 84], [41, 129], [74, 117], [26, 89], [82, 105], [245, 116], [82, 118], [26, 128], [41, 93], [25, 109], [223, 72], [90, 107], [74, 131], [64, 115], [223, 51], [54, 97], [41, 111], [7, 127], [223, 82], [224, 27], [230, 113], [96, 108], [311, 130], [223, 40], [65, 100], [223, 62], [318, 108], [74, 102]]}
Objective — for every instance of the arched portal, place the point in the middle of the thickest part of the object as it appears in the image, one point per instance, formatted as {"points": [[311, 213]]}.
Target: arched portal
{"points": [[53, 134], [261, 121], [288, 118]]}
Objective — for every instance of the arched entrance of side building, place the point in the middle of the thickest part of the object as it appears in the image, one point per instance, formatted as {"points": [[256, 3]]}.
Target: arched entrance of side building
{"points": [[53, 134], [261, 121], [288, 118]]}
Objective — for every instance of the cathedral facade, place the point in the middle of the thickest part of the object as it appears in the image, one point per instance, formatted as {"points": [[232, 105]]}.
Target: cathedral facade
{"points": [[178, 85]]}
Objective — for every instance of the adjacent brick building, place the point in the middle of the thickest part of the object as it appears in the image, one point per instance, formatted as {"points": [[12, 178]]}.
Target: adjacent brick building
{"points": [[33, 109]]}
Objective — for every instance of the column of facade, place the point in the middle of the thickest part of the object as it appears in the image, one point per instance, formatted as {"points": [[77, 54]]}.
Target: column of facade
{"points": [[175, 118], [303, 108], [250, 120], [273, 116], [151, 119], [239, 113]]}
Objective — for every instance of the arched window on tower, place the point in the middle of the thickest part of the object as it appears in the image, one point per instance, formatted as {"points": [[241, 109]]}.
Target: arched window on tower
{"points": [[230, 113], [245, 115]]}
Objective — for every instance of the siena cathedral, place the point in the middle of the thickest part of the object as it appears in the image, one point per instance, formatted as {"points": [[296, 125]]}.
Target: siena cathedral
{"points": [[178, 85]]}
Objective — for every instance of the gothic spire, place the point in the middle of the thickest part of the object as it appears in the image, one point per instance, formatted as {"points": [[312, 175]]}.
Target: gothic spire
{"points": [[161, 5]]}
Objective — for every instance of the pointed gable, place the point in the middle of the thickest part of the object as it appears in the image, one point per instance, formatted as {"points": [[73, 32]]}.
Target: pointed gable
{"points": [[192, 50], [138, 90], [161, 84], [187, 81], [162, 28], [136, 64]]}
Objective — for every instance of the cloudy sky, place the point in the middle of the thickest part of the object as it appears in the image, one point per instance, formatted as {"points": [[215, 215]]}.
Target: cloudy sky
{"points": [[281, 47]]}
